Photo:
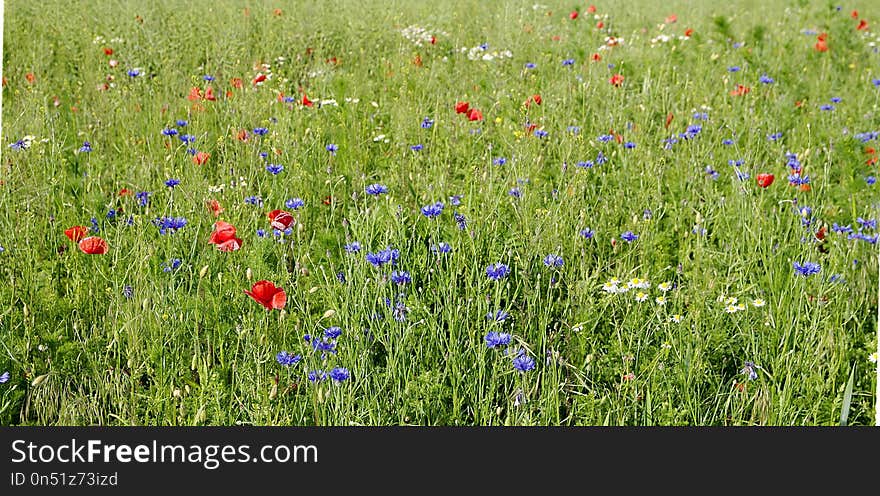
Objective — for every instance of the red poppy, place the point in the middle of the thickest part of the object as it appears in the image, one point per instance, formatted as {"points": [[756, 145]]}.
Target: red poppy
{"points": [[93, 245], [209, 94], [259, 79], [305, 101], [108, 51], [671, 18], [236, 83], [822, 43], [688, 32], [871, 161], [669, 118], [125, 192], [600, 25], [474, 115], [573, 15], [30, 77], [76, 233], [327, 200], [534, 98], [228, 94], [267, 294], [214, 207], [195, 94], [596, 57], [242, 135], [854, 14], [764, 179], [462, 107], [740, 90], [200, 158], [821, 233], [224, 237], [281, 220], [433, 40], [863, 24], [616, 80]]}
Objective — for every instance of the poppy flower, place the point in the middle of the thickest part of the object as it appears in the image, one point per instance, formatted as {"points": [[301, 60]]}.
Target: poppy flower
{"points": [[474, 115], [267, 294], [305, 101], [281, 220], [224, 237], [821, 233], [688, 32], [214, 207], [669, 118], [76, 233], [200, 158], [595, 57], [740, 90], [258, 79], [573, 15], [236, 83], [195, 94], [616, 80], [108, 51], [863, 24], [600, 25], [764, 179], [30, 77], [327, 200], [671, 18], [854, 14], [461, 107], [417, 60], [822, 43], [93, 245], [209, 94], [125, 192], [242, 135], [433, 40], [591, 9], [534, 98]]}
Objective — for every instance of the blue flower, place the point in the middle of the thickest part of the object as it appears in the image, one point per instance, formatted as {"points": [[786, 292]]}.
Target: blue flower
{"points": [[496, 339], [515, 192], [605, 138], [187, 138], [286, 359], [455, 200], [727, 142], [568, 62], [807, 268], [171, 265], [733, 68], [261, 233], [339, 374], [431, 211], [260, 131], [587, 233], [87, 147], [332, 148], [629, 237], [584, 164], [427, 123], [4, 377], [498, 316], [460, 220], [553, 261], [774, 136], [316, 375], [443, 247], [254, 200], [352, 247], [540, 133], [169, 131], [749, 369], [629, 145], [766, 79], [700, 116], [867, 224], [531, 65], [172, 182], [275, 169], [134, 72], [835, 99], [523, 363], [400, 277], [332, 332], [208, 77], [876, 83], [95, 226], [128, 291], [383, 257], [600, 158], [294, 203], [573, 129], [181, 123], [826, 107], [416, 148], [499, 161], [169, 224], [497, 271]]}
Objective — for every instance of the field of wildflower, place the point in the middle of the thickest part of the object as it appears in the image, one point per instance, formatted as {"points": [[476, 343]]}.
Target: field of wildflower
{"points": [[439, 213]]}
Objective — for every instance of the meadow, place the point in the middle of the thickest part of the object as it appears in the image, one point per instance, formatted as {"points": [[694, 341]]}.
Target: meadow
{"points": [[455, 212]]}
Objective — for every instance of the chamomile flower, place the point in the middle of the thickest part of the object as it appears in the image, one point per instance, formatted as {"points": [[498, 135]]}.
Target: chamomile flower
{"points": [[664, 286], [636, 282], [676, 318], [731, 300], [731, 308], [641, 296], [609, 287], [758, 302], [872, 357], [660, 300]]}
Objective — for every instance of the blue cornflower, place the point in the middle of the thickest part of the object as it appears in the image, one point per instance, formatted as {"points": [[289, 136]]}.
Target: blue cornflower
{"points": [[400, 277], [497, 271], [427, 123], [254, 200], [86, 148], [332, 148], [741, 175], [568, 62], [870, 180], [553, 261], [4, 377], [733, 68], [443, 247], [287, 359], [455, 200], [807, 268], [727, 142], [573, 129], [460, 220], [417, 148], [497, 339], [400, 311], [433, 210], [836, 99], [735, 163], [261, 233], [605, 138], [532, 65], [260, 131], [294, 203], [523, 363], [275, 169], [383, 257], [498, 316], [134, 72], [867, 223], [169, 224], [340, 276], [797, 179], [499, 161], [629, 145], [316, 375], [701, 116], [339, 374], [95, 226], [332, 332], [587, 233], [208, 77], [826, 106], [181, 123], [128, 291], [111, 214], [187, 138], [515, 192], [841, 229], [584, 164], [171, 265], [876, 83], [540, 133], [749, 369], [169, 131], [600, 158], [629, 237], [766, 79], [352, 247], [774, 136], [172, 182]]}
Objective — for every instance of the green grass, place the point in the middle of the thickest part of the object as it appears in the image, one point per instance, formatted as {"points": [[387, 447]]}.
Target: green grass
{"points": [[190, 348]]}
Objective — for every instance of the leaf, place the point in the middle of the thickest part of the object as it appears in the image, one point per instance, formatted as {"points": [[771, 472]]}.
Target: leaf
{"points": [[847, 397]]}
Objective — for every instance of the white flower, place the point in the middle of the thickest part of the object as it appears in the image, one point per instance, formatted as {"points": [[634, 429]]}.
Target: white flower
{"points": [[872, 357], [676, 318], [758, 302], [641, 296], [731, 308], [660, 300], [609, 287], [664, 286]]}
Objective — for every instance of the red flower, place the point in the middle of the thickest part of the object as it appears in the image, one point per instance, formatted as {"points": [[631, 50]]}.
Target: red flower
{"points": [[209, 94], [195, 94], [236, 83], [215, 207], [93, 245], [242, 135], [854, 14], [688, 32], [822, 45], [863, 24], [259, 79], [200, 158], [596, 57], [474, 115], [281, 220], [267, 294], [764, 179], [306, 101], [600, 25], [671, 18], [327, 200], [616, 79], [534, 98], [461, 107], [821, 233], [591, 9], [573, 15], [125, 192], [433, 40], [224, 237], [30, 77], [76, 233], [669, 118], [108, 51], [740, 90]]}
